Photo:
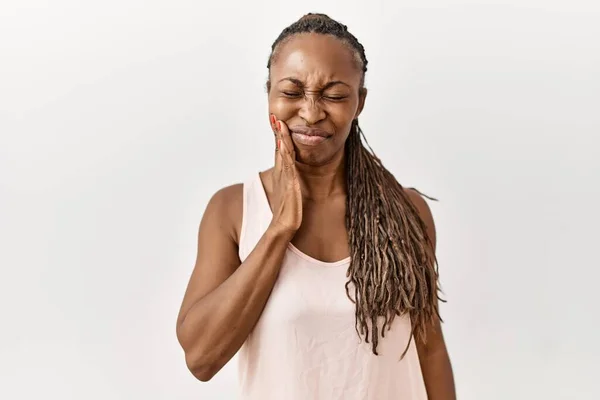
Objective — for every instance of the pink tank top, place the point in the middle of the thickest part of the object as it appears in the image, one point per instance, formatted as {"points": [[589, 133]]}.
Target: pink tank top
{"points": [[304, 345]]}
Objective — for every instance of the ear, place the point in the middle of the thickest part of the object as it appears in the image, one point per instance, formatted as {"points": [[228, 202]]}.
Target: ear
{"points": [[362, 95]]}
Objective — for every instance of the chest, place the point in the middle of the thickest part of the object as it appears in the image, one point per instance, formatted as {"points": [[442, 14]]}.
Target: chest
{"points": [[323, 235], [311, 310]]}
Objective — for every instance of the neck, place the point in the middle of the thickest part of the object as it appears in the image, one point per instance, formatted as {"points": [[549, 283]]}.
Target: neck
{"points": [[321, 182]]}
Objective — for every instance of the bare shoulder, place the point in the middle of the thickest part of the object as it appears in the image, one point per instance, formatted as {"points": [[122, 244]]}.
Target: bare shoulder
{"points": [[420, 203], [228, 197], [226, 206], [424, 211]]}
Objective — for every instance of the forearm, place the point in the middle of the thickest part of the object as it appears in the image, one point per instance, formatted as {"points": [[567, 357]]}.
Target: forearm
{"points": [[438, 376], [217, 325]]}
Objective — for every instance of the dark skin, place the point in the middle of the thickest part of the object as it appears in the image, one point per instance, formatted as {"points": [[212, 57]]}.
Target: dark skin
{"points": [[314, 81]]}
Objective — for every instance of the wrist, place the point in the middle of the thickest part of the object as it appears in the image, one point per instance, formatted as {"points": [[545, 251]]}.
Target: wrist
{"points": [[279, 232]]}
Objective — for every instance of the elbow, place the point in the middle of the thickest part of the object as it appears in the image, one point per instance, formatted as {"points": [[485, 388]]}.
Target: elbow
{"points": [[203, 374], [201, 370], [200, 367], [200, 362]]}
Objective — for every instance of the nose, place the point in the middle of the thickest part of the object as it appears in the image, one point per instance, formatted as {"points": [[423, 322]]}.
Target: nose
{"points": [[311, 110]]}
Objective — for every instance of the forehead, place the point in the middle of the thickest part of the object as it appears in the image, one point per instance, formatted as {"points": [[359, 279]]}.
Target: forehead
{"points": [[316, 58]]}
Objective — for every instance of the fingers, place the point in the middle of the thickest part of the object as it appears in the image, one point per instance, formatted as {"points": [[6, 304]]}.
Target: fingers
{"points": [[284, 155], [286, 138], [286, 146], [273, 122], [278, 161]]}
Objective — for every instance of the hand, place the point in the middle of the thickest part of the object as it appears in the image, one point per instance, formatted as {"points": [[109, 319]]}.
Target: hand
{"points": [[287, 198]]}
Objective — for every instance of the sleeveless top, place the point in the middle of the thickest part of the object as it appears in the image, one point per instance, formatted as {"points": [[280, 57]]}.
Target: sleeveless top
{"points": [[305, 345]]}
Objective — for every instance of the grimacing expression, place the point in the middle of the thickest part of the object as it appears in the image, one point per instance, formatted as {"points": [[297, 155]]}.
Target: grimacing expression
{"points": [[315, 82]]}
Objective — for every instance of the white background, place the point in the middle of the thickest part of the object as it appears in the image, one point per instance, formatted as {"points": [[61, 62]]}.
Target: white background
{"points": [[119, 119]]}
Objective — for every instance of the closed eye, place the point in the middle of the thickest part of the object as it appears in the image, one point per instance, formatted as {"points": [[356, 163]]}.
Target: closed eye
{"points": [[335, 98], [291, 94]]}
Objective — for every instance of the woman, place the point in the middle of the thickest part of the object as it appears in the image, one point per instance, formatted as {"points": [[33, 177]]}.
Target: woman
{"points": [[320, 270]]}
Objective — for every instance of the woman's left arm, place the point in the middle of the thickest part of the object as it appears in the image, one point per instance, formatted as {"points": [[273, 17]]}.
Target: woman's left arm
{"points": [[433, 355]]}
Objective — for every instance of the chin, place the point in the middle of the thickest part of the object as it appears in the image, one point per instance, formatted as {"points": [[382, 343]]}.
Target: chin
{"points": [[313, 158]]}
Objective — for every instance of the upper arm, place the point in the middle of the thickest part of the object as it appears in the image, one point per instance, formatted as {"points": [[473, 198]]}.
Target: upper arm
{"points": [[433, 354], [435, 339], [217, 254]]}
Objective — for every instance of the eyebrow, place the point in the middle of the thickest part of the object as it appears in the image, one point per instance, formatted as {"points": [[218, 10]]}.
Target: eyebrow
{"points": [[298, 82]]}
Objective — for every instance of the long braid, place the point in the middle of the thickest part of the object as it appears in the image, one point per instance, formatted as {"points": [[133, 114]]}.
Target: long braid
{"points": [[393, 268]]}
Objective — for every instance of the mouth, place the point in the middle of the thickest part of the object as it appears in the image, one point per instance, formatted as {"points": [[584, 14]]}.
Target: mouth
{"points": [[309, 136]]}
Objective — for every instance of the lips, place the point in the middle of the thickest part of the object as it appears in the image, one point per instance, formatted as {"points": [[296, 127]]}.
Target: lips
{"points": [[307, 131], [308, 136]]}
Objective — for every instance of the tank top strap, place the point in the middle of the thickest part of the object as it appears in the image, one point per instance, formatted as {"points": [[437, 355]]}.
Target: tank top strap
{"points": [[256, 215]]}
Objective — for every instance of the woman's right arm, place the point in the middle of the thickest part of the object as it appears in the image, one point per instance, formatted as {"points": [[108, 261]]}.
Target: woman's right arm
{"points": [[224, 299]]}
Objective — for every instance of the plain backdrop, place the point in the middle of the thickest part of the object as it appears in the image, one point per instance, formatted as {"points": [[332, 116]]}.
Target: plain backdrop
{"points": [[119, 120]]}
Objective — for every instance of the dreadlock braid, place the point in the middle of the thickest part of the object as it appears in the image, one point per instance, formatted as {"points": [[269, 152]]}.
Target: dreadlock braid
{"points": [[393, 268]]}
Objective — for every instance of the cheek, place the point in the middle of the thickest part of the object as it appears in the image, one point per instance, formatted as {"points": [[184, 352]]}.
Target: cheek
{"points": [[341, 135], [343, 112], [281, 108], [342, 119]]}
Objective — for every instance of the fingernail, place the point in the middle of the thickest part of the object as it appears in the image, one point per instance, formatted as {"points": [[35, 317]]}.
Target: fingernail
{"points": [[279, 126], [278, 143], [272, 118]]}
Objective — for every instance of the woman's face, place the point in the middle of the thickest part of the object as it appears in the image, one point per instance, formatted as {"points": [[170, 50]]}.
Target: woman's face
{"points": [[315, 89]]}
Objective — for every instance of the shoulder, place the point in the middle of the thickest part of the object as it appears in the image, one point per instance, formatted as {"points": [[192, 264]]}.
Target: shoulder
{"points": [[226, 207], [419, 202], [227, 197], [424, 211]]}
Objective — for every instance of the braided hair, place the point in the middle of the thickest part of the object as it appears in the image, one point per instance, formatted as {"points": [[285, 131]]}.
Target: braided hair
{"points": [[393, 267]]}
